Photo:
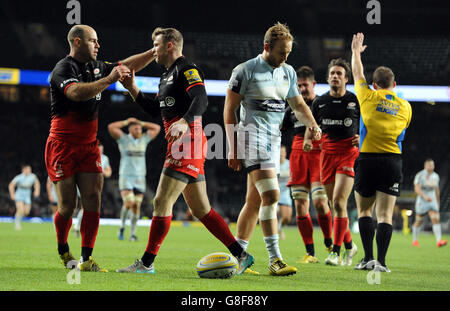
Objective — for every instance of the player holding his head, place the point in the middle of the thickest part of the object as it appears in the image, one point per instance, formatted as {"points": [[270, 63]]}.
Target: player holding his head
{"points": [[384, 119], [181, 101], [24, 183], [305, 173], [72, 155], [133, 169], [337, 112], [262, 87], [426, 186]]}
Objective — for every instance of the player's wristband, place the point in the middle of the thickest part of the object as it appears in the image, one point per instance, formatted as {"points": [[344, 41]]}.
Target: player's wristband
{"points": [[125, 123]]}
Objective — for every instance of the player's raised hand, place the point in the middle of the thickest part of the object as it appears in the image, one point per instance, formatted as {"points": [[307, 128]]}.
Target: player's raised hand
{"points": [[132, 120], [357, 43], [177, 130], [118, 73]]}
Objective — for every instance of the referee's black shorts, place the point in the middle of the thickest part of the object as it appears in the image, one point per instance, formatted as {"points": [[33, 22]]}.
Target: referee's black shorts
{"points": [[378, 172]]}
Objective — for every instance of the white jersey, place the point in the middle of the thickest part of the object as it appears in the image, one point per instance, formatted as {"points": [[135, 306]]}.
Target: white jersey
{"points": [[265, 91], [428, 183]]}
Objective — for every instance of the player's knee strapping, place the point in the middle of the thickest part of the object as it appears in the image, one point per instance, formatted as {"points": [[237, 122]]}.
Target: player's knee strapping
{"points": [[419, 218], [269, 211], [267, 184], [434, 216], [299, 193], [128, 199], [318, 193]]}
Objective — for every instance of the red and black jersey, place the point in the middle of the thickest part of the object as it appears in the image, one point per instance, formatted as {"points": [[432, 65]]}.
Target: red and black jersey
{"points": [[290, 121], [181, 94], [75, 122], [338, 118]]}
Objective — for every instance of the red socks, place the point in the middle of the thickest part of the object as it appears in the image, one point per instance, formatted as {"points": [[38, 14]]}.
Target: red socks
{"points": [[62, 227], [340, 230], [305, 227], [348, 236], [218, 227], [326, 224], [158, 230], [89, 228]]}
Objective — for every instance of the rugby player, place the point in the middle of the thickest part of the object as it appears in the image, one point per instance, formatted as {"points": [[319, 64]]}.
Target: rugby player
{"points": [[181, 100], [24, 183], [305, 173], [72, 156], [261, 87], [132, 169], [426, 186], [337, 112]]}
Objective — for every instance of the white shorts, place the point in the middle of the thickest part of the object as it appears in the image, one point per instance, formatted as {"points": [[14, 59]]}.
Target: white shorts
{"points": [[258, 152], [127, 182], [423, 208]]}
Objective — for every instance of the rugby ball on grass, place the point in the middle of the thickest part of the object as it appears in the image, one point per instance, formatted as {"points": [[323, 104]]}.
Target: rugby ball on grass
{"points": [[217, 266]]}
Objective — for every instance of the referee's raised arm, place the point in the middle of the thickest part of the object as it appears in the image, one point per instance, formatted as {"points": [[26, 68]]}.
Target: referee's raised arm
{"points": [[357, 49]]}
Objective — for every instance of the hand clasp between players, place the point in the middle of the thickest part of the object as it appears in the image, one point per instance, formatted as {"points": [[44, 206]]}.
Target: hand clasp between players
{"points": [[119, 73]]}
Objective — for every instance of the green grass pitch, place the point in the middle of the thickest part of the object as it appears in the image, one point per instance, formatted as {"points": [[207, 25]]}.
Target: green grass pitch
{"points": [[29, 262]]}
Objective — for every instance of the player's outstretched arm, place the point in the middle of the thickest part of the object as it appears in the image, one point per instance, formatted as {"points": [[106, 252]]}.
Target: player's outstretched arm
{"points": [[232, 102], [304, 115], [12, 190], [138, 61], [37, 188], [151, 106], [357, 49], [83, 91]]}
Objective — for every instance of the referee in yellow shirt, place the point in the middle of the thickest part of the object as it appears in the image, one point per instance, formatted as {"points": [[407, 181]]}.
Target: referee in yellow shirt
{"points": [[378, 169]]}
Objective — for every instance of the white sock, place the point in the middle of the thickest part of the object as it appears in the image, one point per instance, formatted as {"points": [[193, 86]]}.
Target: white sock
{"points": [[415, 232], [437, 232], [134, 218], [17, 219], [123, 216], [273, 247], [242, 243]]}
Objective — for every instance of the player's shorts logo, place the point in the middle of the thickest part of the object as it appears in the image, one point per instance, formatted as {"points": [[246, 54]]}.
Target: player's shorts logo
{"points": [[394, 187], [169, 101]]}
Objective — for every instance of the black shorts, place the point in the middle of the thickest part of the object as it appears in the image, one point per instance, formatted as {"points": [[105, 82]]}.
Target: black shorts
{"points": [[188, 179], [378, 172]]}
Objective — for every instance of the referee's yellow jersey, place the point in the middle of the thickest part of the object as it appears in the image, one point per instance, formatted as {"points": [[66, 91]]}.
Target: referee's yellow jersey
{"points": [[383, 121]]}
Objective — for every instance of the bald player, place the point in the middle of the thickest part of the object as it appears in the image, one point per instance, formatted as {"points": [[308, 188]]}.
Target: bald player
{"points": [[72, 156]]}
